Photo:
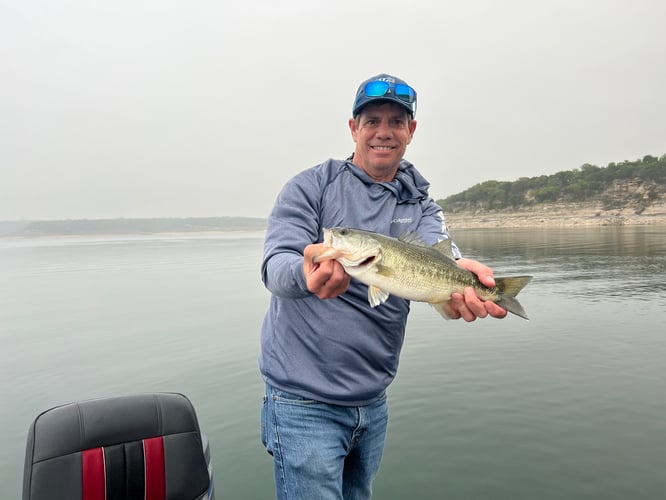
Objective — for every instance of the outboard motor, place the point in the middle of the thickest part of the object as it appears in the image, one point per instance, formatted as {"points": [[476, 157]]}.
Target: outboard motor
{"points": [[139, 447]]}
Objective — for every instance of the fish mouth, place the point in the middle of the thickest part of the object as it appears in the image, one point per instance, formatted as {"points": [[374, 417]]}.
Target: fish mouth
{"points": [[329, 253], [367, 261], [326, 240], [346, 260], [356, 263], [334, 248]]}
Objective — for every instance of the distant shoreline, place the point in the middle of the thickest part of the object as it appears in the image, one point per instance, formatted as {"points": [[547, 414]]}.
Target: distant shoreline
{"points": [[543, 216], [125, 226], [551, 216]]}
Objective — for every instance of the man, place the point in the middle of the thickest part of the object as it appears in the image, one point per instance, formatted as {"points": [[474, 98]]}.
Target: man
{"points": [[327, 357]]}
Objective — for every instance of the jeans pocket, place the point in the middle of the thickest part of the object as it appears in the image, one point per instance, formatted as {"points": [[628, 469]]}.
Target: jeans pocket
{"points": [[280, 396], [263, 422], [265, 425]]}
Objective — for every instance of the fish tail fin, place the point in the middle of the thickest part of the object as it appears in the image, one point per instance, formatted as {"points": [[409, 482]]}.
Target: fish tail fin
{"points": [[508, 288]]}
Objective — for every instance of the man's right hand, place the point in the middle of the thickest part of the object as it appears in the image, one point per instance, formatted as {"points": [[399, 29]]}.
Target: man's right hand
{"points": [[326, 279]]}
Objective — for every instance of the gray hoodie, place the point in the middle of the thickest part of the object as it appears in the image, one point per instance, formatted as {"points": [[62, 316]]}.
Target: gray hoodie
{"points": [[339, 351]]}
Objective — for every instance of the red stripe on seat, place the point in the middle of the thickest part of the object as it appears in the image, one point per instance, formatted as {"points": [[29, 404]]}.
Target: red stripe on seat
{"points": [[94, 478], [153, 452]]}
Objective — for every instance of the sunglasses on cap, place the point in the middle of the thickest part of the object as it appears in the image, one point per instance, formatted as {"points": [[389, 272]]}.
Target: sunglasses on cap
{"points": [[380, 88], [385, 87]]}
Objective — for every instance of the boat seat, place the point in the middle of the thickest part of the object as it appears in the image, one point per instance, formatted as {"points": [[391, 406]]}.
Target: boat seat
{"points": [[143, 447]]}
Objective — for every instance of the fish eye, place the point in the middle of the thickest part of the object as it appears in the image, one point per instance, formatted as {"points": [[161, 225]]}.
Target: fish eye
{"points": [[344, 231]]}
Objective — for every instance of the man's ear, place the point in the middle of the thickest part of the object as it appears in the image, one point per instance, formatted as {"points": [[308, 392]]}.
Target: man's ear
{"points": [[353, 127]]}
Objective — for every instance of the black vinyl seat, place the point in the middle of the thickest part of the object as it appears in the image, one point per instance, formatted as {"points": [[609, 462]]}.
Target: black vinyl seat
{"points": [[143, 447]]}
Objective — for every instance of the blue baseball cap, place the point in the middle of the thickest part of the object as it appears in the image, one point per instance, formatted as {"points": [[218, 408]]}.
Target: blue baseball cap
{"points": [[385, 88]]}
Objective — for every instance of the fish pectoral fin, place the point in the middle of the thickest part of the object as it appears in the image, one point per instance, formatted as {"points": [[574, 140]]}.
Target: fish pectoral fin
{"points": [[376, 296], [441, 309]]}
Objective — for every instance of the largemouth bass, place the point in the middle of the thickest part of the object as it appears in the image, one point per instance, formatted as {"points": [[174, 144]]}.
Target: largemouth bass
{"points": [[408, 268]]}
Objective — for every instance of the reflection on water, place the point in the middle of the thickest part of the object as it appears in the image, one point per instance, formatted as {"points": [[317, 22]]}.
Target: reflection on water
{"points": [[632, 241], [567, 405], [599, 263]]}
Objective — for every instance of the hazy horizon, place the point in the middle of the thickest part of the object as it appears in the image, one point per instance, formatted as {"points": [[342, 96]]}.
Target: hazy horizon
{"points": [[199, 217], [151, 109], [93, 219]]}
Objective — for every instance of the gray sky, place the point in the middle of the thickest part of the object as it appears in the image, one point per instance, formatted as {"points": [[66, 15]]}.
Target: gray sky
{"points": [[163, 108]]}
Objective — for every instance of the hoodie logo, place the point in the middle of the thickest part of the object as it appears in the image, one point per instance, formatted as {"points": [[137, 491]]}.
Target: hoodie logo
{"points": [[404, 220]]}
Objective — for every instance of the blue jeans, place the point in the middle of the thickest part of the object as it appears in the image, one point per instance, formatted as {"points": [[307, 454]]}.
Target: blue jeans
{"points": [[322, 451]]}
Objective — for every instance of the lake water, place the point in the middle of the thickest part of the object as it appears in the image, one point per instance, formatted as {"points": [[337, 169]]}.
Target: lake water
{"points": [[568, 405]]}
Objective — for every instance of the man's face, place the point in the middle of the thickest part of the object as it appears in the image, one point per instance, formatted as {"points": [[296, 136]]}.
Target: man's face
{"points": [[381, 133]]}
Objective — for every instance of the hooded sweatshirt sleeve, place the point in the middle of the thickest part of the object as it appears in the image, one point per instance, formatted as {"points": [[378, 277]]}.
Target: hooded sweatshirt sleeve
{"points": [[433, 225], [292, 225]]}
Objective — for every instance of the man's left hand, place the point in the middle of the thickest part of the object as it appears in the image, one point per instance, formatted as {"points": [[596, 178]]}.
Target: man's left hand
{"points": [[468, 305]]}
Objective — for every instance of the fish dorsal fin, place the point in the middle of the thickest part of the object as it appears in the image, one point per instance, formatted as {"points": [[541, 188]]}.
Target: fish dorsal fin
{"points": [[376, 296], [444, 247], [413, 238]]}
